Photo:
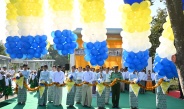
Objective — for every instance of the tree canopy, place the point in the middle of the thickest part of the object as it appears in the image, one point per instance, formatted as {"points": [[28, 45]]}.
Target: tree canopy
{"points": [[156, 29]]}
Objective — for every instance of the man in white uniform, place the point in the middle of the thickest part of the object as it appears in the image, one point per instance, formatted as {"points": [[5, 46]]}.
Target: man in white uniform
{"points": [[86, 89]]}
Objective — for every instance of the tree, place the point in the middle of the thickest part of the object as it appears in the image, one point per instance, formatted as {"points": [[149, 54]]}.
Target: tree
{"points": [[156, 29], [59, 60], [2, 49], [176, 15]]}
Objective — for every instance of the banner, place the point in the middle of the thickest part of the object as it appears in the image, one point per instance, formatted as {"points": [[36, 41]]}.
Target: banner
{"points": [[111, 52]]}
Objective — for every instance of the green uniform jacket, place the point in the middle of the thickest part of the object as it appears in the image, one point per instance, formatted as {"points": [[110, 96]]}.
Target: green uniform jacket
{"points": [[115, 75]]}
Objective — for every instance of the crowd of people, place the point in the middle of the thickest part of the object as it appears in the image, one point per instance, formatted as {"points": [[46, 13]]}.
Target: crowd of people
{"points": [[80, 95]]}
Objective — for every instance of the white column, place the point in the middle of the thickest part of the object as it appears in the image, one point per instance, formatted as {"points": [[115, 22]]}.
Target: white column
{"points": [[72, 60], [150, 65]]}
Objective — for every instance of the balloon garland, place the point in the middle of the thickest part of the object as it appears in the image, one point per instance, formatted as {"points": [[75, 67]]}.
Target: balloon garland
{"points": [[163, 63], [63, 25], [136, 19], [28, 15], [94, 31]]}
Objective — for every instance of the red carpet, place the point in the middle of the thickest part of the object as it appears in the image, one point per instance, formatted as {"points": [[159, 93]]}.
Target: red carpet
{"points": [[175, 94]]}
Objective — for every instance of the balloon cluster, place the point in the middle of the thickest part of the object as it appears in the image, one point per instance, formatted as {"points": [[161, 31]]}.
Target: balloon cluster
{"points": [[165, 67], [29, 18], [64, 41], [26, 46], [135, 61], [63, 24], [94, 31], [163, 64], [96, 52], [136, 18]]}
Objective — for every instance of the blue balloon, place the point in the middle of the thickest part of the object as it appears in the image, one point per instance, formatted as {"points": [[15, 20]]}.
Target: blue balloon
{"points": [[103, 44], [44, 52], [71, 51], [66, 46], [99, 58], [64, 52], [6, 45], [94, 52], [58, 33], [85, 45], [140, 55], [43, 38], [34, 45], [30, 56], [13, 56], [62, 40], [59, 47], [74, 37], [125, 64], [24, 51], [53, 34], [59, 52], [19, 56], [9, 51], [125, 53], [131, 55], [102, 51], [9, 39], [136, 61], [54, 46], [16, 39], [97, 45], [132, 66], [93, 62], [31, 51], [30, 39], [87, 51], [169, 75], [105, 56], [12, 44], [23, 39], [100, 63], [68, 40], [73, 45], [37, 55], [43, 44], [19, 44], [165, 62], [89, 45], [87, 58], [56, 40], [37, 39], [132, 1], [162, 72]]}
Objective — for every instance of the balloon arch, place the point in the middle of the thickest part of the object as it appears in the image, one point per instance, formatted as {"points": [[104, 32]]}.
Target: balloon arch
{"points": [[26, 38]]}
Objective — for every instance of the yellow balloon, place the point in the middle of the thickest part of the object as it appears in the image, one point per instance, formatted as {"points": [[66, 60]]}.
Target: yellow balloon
{"points": [[135, 6], [145, 4]]}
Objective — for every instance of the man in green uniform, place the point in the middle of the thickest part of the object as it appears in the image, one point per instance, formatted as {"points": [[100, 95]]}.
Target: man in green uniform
{"points": [[115, 87]]}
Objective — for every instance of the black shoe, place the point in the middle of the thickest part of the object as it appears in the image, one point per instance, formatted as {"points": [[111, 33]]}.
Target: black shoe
{"points": [[113, 106], [106, 103], [23, 103], [19, 103]]}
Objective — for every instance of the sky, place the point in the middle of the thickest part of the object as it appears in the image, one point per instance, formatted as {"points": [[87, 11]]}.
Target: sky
{"points": [[113, 16]]}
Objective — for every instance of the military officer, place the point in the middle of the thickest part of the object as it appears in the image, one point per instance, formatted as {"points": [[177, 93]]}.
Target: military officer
{"points": [[115, 87]]}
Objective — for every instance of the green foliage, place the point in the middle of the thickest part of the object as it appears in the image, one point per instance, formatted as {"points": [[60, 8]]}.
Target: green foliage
{"points": [[156, 29], [59, 60], [2, 49]]}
